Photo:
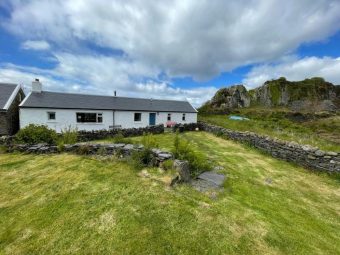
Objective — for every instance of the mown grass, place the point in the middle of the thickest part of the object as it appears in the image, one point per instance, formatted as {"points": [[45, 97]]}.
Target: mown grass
{"points": [[67, 204], [322, 133]]}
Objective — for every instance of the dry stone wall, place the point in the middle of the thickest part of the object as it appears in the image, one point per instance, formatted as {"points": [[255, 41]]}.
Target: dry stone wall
{"points": [[84, 136], [303, 155], [119, 149]]}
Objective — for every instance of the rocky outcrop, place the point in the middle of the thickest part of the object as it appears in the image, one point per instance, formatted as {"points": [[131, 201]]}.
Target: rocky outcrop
{"points": [[235, 96], [313, 94], [310, 94]]}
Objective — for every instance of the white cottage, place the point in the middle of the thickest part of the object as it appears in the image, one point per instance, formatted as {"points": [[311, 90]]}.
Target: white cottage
{"points": [[92, 112]]}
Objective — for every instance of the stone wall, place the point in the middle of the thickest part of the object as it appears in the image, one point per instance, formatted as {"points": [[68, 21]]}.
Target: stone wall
{"points": [[9, 120], [118, 149], [303, 155], [3, 123], [84, 136]]}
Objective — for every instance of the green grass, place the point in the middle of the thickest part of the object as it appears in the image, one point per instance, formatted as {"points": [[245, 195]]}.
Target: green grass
{"points": [[67, 204], [322, 133]]}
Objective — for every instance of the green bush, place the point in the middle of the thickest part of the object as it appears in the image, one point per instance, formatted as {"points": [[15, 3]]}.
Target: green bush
{"points": [[83, 149], [197, 161], [168, 164], [61, 147], [143, 158], [149, 141], [3, 149], [102, 151], [119, 138], [33, 134], [69, 136]]}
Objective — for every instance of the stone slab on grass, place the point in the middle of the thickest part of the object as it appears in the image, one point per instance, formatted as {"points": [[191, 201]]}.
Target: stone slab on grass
{"points": [[213, 177], [208, 181]]}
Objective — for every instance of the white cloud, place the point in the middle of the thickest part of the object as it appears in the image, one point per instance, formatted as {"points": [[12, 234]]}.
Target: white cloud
{"points": [[35, 45], [197, 38], [96, 74], [295, 69]]}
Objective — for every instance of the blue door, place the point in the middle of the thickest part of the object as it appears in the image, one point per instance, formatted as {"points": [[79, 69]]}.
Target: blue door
{"points": [[152, 119]]}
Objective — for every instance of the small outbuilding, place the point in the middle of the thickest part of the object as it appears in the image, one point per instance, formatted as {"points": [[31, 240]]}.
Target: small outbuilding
{"points": [[93, 112], [11, 95]]}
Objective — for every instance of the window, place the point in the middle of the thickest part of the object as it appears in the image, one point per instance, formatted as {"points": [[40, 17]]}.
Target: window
{"points": [[100, 118], [138, 116], [89, 117], [169, 116], [51, 115], [183, 117]]}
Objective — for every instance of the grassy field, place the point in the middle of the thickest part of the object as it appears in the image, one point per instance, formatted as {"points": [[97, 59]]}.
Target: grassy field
{"points": [[68, 204], [323, 133]]}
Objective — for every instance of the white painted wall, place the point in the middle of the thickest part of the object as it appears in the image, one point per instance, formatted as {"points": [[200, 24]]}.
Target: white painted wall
{"points": [[126, 118], [67, 118], [64, 119]]}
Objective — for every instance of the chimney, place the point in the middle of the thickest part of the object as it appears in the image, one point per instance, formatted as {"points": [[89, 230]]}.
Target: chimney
{"points": [[36, 86], [115, 93]]}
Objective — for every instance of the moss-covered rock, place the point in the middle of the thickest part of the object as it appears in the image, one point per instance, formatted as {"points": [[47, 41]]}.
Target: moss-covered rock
{"points": [[313, 94]]}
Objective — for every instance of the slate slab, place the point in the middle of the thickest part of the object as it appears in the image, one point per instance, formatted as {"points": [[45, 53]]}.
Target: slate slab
{"points": [[213, 177], [208, 181]]}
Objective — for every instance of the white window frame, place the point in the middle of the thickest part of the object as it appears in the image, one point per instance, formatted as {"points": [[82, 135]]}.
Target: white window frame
{"points": [[169, 117], [184, 117]]}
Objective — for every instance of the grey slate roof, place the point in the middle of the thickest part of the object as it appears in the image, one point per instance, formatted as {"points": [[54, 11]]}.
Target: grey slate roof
{"points": [[56, 100], [6, 90]]}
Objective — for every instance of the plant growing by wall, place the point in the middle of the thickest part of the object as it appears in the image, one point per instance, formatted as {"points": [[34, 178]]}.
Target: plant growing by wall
{"points": [[33, 134], [183, 150]]}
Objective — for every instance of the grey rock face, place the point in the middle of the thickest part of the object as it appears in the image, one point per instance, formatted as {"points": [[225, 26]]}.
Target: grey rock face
{"points": [[183, 170]]}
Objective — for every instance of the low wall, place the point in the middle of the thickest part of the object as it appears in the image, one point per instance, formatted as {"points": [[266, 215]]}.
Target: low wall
{"points": [[84, 136], [303, 155], [118, 149]]}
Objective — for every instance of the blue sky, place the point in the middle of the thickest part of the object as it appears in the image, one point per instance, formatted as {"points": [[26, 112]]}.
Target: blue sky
{"points": [[183, 50]]}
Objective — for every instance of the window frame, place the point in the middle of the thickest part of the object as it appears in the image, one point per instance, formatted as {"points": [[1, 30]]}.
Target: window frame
{"points": [[98, 118], [137, 114], [169, 117], [49, 116], [184, 117]]}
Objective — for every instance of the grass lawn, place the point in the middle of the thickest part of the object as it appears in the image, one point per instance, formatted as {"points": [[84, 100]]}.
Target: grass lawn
{"points": [[322, 133], [68, 204]]}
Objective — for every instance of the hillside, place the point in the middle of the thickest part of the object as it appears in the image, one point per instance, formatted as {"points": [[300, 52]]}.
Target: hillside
{"points": [[309, 95]]}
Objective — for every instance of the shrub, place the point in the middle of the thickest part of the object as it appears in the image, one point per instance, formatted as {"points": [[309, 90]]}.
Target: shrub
{"points": [[69, 135], [168, 164], [3, 149], [149, 141], [119, 138], [197, 161], [83, 149], [33, 134], [61, 147], [102, 151], [143, 158]]}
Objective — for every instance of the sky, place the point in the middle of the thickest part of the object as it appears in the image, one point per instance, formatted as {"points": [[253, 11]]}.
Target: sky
{"points": [[180, 49]]}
